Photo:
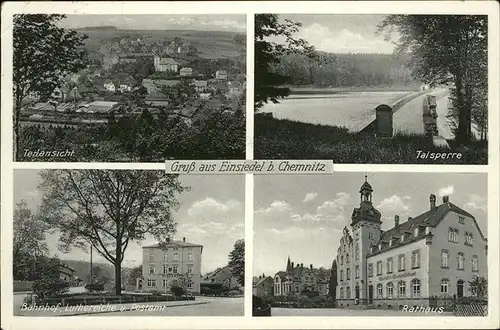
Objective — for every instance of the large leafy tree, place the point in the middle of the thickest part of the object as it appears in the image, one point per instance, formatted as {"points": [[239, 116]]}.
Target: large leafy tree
{"points": [[29, 246], [237, 261], [479, 287], [108, 209], [43, 54], [447, 48], [268, 83]]}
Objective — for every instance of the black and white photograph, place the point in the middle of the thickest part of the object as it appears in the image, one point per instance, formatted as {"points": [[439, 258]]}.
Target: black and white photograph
{"points": [[382, 89], [128, 88], [379, 244], [127, 243]]}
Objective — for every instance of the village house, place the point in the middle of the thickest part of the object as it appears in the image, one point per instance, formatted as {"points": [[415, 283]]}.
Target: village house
{"points": [[435, 253], [186, 72], [165, 64], [99, 106], [221, 75], [110, 86], [154, 86], [263, 286], [200, 85], [179, 261], [297, 280]]}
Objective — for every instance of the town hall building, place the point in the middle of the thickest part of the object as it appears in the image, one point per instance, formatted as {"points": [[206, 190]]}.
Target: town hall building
{"points": [[433, 254]]}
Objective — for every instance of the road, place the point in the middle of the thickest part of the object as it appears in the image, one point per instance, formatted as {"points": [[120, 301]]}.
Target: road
{"points": [[346, 312], [202, 306], [408, 119]]}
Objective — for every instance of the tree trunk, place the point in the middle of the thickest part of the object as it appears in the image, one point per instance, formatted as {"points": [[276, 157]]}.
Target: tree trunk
{"points": [[118, 268], [463, 131], [17, 112]]}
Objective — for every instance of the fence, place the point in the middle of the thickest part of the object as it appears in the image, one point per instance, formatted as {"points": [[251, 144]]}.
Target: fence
{"points": [[466, 306], [20, 286], [479, 308]]}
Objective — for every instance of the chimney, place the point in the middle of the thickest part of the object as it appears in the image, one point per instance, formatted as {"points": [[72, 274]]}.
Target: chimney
{"points": [[432, 201], [396, 220], [311, 266], [409, 218], [292, 265], [446, 199], [263, 275], [184, 239], [301, 265]]}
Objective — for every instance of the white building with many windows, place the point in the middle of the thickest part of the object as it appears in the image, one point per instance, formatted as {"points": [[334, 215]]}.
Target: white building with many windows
{"points": [[435, 253], [179, 262]]}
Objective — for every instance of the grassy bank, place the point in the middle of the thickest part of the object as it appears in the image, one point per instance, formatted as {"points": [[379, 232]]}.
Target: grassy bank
{"points": [[286, 139]]}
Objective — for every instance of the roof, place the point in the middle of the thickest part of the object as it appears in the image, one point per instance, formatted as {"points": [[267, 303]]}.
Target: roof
{"points": [[186, 69], [174, 244], [430, 218], [102, 103], [159, 82], [262, 280], [200, 83], [167, 60], [221, 72]]}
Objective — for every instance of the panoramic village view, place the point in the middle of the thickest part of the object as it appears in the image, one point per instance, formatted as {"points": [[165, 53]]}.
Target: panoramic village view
{"points": [[129, 88], [366, 88], [386, 244], [134, 242]]}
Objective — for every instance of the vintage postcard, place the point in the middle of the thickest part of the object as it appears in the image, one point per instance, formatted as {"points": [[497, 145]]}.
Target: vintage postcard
{"points": [[250, 165]]}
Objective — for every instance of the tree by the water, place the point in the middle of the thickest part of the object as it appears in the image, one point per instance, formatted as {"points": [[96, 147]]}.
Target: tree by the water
{"points": [[237, 261], [448, 48], [108, 209], [268, 84], [43, 54]]}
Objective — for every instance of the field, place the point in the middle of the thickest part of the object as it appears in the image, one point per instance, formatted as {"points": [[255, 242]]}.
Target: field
{"points": [[287, 139], [210, 44]]}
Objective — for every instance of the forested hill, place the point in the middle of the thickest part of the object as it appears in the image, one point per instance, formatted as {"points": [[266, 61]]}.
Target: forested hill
{"points": [[346, 70]]}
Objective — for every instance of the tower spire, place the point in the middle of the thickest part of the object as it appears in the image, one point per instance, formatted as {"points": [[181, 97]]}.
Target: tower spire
{"points": [[288, 265]]}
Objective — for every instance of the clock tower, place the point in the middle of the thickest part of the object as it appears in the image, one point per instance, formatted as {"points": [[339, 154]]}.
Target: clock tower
{"points": [[366, 231]]}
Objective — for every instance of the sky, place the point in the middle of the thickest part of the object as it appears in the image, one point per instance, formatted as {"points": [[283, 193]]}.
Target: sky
{"points": [[342, 33], [303, 216], [232, 23], [211, 214]]}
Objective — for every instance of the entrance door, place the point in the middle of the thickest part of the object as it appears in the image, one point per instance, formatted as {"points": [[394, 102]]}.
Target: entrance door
{"points": [[357, 292], [370, 294], [460, 289]]}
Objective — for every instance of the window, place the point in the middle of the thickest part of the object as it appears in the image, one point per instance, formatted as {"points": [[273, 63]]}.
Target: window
{"points": [[415, 232], [151, 283], [165, 283], [461, 219], [341, 275], [460, 261], [357, 251], [390, 290], [165, 267], [189, 284], [444, 259], [453, 235], [390, 242], [415, 259], [348, 274], [190, 256], [175, 269], [165, 257], [341, 293], [444, 285], [379, 267], [370, 270], [348, 292], [389, 265], [468, 239], [475, 264], [356, 272], [379, 291], [190, 269], [151, 256], [151, 269], [402, 289], [176, 256], [370, 235], [347, 258], [401, 262], [342, 260], [415, 288]]}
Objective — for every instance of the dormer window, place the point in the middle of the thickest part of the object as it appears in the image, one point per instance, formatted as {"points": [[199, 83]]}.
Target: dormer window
{"points": [[380, 246], [402, 238], [415, 232], [461, 219], [390, 242]]}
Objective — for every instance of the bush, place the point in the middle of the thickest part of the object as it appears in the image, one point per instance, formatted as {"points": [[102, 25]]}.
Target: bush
{"points": [[177, 291], [50, 287], [94, 287]]}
